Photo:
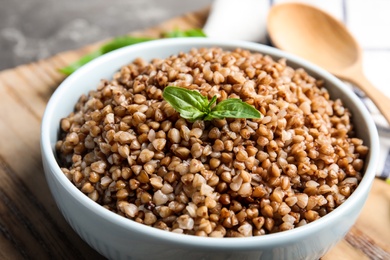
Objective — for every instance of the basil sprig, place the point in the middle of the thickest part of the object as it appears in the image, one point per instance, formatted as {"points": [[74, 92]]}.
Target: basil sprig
{"points": [[193, 106], [114, 44], [123, 41]]}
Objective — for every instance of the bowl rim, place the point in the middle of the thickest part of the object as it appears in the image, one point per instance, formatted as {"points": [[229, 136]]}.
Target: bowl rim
{"points": [[190, 240]]}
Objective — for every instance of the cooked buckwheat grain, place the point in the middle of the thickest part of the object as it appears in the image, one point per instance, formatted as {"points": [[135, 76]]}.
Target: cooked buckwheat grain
{"points": [[129, 150]]}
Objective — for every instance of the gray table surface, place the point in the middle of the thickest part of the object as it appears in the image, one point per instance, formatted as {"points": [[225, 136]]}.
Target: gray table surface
{"points": [[35, 29]]}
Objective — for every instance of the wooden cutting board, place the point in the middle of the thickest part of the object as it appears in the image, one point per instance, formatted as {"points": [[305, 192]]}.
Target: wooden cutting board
{"points": [[32, 227]]}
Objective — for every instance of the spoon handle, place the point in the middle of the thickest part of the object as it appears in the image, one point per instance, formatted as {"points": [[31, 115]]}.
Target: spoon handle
{"points": [[381, 101]]}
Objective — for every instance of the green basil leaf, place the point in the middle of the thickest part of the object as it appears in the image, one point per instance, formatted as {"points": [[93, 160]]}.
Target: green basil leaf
{"points": [[212, 101], [195, 33], [122, 41], [191, 97], [189, 103], [192, 114], [176, 33], [82, 61], [114, 44], [234, 108], [192, 105]]}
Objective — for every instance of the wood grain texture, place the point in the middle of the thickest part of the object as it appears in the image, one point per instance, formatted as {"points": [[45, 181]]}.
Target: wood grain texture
{"points": [[31, 226]]}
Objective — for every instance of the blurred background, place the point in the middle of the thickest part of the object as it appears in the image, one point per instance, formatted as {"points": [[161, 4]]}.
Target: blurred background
{"points": [[36, 29]]}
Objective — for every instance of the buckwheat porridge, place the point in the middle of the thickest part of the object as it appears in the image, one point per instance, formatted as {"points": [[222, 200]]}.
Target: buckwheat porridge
{"points": [[129, 150]]}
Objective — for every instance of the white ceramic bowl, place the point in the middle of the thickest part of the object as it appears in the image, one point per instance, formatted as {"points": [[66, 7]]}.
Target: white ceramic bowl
{"points": [[119, 238]]}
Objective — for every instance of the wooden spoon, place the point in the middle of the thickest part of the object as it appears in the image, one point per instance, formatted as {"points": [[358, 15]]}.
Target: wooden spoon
{"points": [[318, 37]]}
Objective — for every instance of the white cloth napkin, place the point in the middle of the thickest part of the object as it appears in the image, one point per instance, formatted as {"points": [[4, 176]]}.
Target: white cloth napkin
{"points": [[368, 21]]}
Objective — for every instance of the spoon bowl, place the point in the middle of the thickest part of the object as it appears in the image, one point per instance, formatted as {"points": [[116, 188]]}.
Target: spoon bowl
{"points": [[320, 38]]}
